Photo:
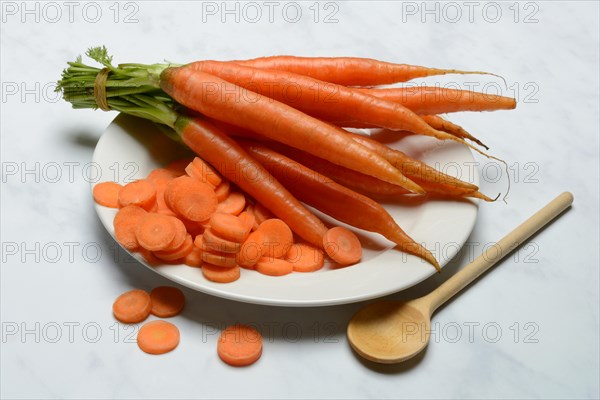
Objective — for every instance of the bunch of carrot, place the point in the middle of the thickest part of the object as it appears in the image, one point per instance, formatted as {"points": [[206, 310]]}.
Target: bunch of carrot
{"points": [[276, 115]]}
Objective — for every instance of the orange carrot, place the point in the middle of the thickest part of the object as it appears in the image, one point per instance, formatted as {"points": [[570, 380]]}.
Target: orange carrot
{"points": [[305, 258], [107, 194], [177, 253], [277, 239], [439, 123], [213, 243], [155, 231], [194, 258], [191, 198], [167, 301], [428, 100], [222, 191], [138, 193], [125, 223], [203, 172], [233, 204], [262, 213], [158, 337], [229, 227], [252, 249], [349, 71], [239, 345], [218, 258], [177, 167], [342, 246], [219, 274], [274, 266], [132, 307], [162, 174], [208, 94], [248, 220]]}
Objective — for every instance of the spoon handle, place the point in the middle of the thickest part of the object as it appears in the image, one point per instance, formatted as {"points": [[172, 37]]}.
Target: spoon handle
{"points": [[493, 254]]}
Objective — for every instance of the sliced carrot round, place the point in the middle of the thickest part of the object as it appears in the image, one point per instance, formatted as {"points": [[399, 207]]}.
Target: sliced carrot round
{"points": [[240, 345], [125, 223], [225, 260], [179, 252], [194, 258], [342, 246], [161, 174], [149, 257], [219, 274], [222, 191], [107, 194], [305, 258], [167, 301], [177, 167], [155, 231], [214, 243], [158, 337], [248, 220], [278, 237], [138, 193], [252, 249], [233, 204], [133, 306], [191, 198], [229, 227], [273, 266], [262, 213]]}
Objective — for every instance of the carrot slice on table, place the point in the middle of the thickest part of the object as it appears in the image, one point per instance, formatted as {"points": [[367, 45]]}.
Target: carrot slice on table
{"points": [[158, 337], [222, 191], [155, 231], [278, 237], [273, 266], [107, 194], [125, 223], [233, 204], [194, 258], [167, 301], [229, 227], [219, 274], [179, 252], [239, 345], [213, 243], [305, 258], [133, 306], [342, 246], [138, 193], [252, 249], [220, 259], [191, 198]]}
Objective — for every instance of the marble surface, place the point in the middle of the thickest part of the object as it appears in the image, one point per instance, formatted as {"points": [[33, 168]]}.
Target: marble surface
{"points": [[527, 329]]}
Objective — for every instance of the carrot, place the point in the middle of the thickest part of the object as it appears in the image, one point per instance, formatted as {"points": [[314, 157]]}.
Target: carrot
{"points": [[149, 257], [107, 194], [161, 186], [336, 200], [439, 123], [177, 167], [248, 220], [180, 234], [179, 252], [274, 266], [138, 193], [349, 71], [239, 345], [305, 258], [208, 94], [252, 249], [222, 191], [342, 246], [277, 239], [132, 307], [213, 243], [158, 337], [229, 227], [262, 213], [218, 258], [427, 100], [155, 231], [125, 224], [194, 258], [191, 198], [233, 204], [222, 152], [219, 274], [162, 175], [167, 301], [203, 172]]}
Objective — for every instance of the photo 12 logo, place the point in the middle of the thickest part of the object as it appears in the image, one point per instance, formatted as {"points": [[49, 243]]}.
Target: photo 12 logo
{"points": [[270, 11], [470, 11], [53, 12]]}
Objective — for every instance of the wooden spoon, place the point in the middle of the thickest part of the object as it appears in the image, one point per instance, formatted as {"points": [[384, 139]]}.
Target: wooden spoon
{"points": [[390, 332]]}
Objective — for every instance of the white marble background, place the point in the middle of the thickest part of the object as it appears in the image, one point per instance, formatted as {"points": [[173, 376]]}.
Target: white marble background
{"points": [[544, 299]]}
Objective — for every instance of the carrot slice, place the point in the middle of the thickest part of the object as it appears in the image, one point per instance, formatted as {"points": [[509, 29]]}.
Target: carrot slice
{"points": [[224, 260], [202, 171], [248, 220], [191, 198], [342, 246], [177, 167], [252, 249], [155, 231], [167, 301], [262, 213], [158, 337], [132, 307], [149, 257], [180, 234], [278, 237], [107, 194], [229, 227], [194, 258], [213, 243], [161, 174], [240, 345], [125, 223], [305, 258], [178, 253], [233, 204], [219, 274], [222, 191], [138, 193], [274, 266]]}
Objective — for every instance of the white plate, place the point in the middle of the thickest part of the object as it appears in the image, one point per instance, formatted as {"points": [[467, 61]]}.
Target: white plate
{"points": [[130, 148]]}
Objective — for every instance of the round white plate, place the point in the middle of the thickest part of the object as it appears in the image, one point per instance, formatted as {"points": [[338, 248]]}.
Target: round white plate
{"points": [[130, 148]]}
